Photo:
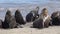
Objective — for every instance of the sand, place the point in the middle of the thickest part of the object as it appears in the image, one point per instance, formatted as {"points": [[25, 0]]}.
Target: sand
{"points": [[50, 30]]}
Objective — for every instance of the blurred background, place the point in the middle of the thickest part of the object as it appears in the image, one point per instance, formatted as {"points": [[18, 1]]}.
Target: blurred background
{"points": [[25, 6]]}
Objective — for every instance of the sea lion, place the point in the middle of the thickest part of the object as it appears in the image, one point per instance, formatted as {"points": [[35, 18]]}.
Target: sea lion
{"points": [[29, 17], [43, 20], [46, 18], [19, 18], [55, 18], [9, 21], [33, 15]]}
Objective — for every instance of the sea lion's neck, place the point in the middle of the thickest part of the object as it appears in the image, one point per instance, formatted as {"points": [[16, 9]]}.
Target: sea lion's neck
{"points": [[45, 17]]}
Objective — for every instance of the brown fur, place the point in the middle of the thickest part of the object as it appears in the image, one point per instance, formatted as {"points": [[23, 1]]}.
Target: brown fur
{"points": [[39, 23], [9, 21]]}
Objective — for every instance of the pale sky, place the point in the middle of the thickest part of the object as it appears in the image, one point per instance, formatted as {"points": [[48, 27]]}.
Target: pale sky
{"points": [[28, 1], [22, 1]]}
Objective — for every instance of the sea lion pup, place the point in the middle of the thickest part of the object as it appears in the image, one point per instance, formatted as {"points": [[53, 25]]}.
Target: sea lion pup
{"points": [[9, 21], [43, 20], [19, 18], [29, 17], [55, 18]]}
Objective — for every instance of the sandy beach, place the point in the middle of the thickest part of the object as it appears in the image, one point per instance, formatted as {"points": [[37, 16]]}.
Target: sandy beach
{"points": [[26, 30]]}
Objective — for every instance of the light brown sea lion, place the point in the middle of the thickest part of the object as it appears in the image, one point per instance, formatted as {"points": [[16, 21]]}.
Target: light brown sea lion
{"points": [[43, 20]]}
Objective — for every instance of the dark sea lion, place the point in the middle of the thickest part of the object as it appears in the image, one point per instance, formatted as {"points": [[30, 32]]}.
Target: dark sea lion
{"points": [[33, 15], [9, 21], [19, 18], [38, 23], [29, 17], [55, 18]]}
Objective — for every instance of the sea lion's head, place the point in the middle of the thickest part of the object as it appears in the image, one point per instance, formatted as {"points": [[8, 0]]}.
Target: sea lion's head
{"points": [[45, 11], [8, 12], [55, 14]]}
